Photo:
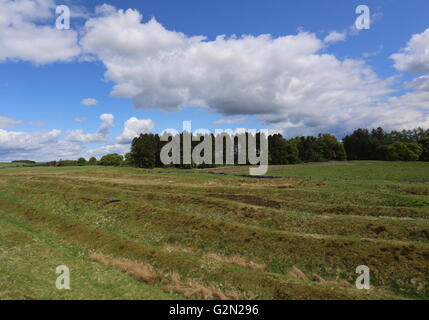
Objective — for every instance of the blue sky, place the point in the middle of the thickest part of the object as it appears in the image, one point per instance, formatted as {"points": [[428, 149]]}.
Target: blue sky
{"points": [[256, 82]]}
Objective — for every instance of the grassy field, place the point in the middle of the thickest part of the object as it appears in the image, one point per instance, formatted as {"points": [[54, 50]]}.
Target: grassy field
{"points": [[130, 233]]}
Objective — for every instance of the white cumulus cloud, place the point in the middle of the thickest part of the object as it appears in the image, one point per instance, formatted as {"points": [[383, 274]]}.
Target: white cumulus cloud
{"points": [[89, 102], [415, 56], [99, 136], [288, 81], [133, 127], [24, 37], [335, 36]]}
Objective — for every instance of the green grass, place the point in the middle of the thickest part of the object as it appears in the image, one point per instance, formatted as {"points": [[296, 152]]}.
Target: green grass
{"points": [[321, 218], [363, 171]]}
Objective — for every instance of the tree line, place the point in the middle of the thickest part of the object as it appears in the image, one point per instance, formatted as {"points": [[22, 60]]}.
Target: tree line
{"points": [[111, 159], [377, 144], [362, 144]]}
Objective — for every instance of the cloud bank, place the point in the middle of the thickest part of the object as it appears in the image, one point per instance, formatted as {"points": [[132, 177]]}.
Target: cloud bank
{"points": [[287, 81], [43, 146]]}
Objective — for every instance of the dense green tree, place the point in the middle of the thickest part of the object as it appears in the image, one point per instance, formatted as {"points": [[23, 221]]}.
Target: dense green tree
{"points": [[129, 159], [81, 162], [331, 148], [282, 151], [292, 152], [424, 143], [378, 145], [358, 145], [277, 149], [309, 149], [111, 159], [378, 138], [415, 135], [401, 151], [92, 161], [66, 163], [145, 150]]}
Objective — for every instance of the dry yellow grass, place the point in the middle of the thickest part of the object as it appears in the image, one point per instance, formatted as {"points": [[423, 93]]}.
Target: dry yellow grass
{"points": [[146, 273], [237, 260], [296, 273], [198, 290], [176, 248], [317, 278], [138, 271]]}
